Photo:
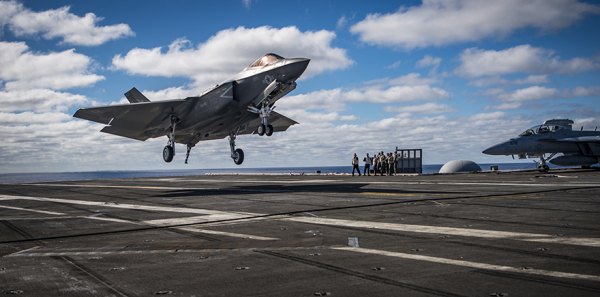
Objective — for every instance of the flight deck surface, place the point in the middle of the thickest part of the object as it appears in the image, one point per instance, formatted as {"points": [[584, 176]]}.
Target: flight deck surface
{"points": [[488, 234]]}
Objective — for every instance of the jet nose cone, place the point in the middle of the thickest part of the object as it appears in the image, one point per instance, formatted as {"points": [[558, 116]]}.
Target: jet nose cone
{"points": [[488, 151], [497, 149], [296, 66]]}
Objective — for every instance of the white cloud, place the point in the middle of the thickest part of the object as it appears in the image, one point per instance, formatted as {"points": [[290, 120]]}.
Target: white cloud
{"points": [[406, 88], [426, 108], [341, 22], [580, 91], [429, 61], [533, 79], [227, 52], [519, 59], [532, 93], [59, 23], [396, 94], [440, 22], [247, 3], [516, 98], [395, 65], [23, 69], [38, 100]]}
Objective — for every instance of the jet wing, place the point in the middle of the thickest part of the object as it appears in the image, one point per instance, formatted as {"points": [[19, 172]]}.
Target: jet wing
{"points": [[592, 138], [133, 120], [145, 120]]}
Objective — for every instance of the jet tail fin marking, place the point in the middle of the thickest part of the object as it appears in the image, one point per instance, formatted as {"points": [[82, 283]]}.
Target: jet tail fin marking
{"points": [[135, 96]]}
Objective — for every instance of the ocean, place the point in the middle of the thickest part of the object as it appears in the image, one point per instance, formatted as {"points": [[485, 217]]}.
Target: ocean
{"points": [[17, 178]]}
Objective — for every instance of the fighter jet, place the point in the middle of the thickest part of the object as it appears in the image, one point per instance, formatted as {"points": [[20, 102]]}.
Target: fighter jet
{"points": [[241, 105], [578, 148]]}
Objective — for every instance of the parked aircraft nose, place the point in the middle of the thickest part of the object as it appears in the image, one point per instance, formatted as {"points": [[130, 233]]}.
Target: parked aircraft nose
{"points": [[498, 149], [295, 67]]}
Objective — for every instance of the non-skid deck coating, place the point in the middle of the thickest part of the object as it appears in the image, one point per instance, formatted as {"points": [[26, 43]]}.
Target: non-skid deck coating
{"points": [[509, 234]]}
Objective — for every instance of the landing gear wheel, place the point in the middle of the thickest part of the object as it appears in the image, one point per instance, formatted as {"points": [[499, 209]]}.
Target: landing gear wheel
{"points": [[544, 168], [238, 157], [261, 130], [168, 153], [269, 130]]}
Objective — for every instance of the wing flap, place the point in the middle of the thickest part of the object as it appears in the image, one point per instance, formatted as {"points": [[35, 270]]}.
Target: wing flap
{"points": [[137, 135]]}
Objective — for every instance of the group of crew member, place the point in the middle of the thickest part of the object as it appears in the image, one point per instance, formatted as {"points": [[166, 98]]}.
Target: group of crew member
{"points": [[382, 163]]}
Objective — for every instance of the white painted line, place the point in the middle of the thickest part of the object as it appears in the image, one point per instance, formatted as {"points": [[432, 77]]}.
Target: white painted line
{"points": [[230, 234], [107, 219], [32, 210], [22, 251], [117, 205], [209, 215], [120, 187], [593, 242], [195, 219], [469, 264]]}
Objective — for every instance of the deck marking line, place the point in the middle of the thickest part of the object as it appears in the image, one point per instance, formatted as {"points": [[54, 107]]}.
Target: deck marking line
{"points": [[476, 265], [593, 242], [33, 210], [230, 234], [118, 205]]}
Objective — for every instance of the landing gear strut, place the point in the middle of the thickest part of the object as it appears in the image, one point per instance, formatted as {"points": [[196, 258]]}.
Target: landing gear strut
{"points": [[169, 150], [264, 111], [542, 166], [236, 154], [187, 153]]}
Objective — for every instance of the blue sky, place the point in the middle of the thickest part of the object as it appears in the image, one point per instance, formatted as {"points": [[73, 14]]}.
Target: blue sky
{"points": [[451, 77]]}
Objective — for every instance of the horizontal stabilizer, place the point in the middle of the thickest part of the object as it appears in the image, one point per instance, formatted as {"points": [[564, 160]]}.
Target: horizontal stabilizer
{"points": [[135, 96]]}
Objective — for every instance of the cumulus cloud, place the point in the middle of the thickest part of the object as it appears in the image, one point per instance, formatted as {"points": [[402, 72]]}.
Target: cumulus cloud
{"points": [[441, 22], [425, 108], [405, 88], [23, 69], [38, 100], [429, 61], [519, 59], [59, 23], [228, 51]]}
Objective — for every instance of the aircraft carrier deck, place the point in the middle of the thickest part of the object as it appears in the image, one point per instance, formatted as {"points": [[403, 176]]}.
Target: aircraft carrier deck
{"points": [[488, 234]]}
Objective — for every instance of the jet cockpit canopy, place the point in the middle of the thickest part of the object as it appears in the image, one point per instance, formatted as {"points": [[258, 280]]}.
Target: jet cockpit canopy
{"points": [[266, 60], [548, 126]]}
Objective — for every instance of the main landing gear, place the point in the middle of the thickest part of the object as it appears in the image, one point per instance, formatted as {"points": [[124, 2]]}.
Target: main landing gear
{"points": [[169, 150], [264, 111], [236, 154]]}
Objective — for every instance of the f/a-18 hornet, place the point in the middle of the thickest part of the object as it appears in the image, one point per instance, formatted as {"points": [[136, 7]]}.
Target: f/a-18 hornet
{"points": [[241, 105], [578, 148]]}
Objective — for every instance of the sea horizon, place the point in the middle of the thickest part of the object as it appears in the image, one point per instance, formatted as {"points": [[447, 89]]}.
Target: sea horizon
{"points": [[37, 177]]}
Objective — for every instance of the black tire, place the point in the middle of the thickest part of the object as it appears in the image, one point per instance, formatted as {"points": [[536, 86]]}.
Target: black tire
{"points": [[261, 130], [238, 158], [168, 153], [269, 130]]}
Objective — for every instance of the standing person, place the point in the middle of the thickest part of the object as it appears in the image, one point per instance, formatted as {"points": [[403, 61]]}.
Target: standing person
{"points": [[375, 164], [355, 164], [391, 164], [367, 170], [383, 163]]}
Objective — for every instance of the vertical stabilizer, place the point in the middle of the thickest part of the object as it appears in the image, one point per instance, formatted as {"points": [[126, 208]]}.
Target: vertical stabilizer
{"points": [[135, 96]]}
